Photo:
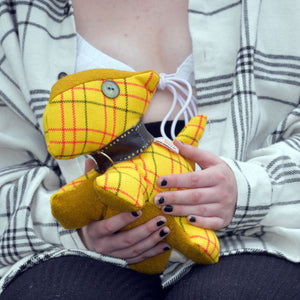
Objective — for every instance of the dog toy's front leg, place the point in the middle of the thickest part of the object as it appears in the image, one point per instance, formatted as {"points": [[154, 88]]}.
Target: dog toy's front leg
{"points": [[122, 188]]}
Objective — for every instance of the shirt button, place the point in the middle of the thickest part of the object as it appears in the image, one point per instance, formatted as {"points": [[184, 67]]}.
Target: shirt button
{"points": [[67, 9], [61, 75]]}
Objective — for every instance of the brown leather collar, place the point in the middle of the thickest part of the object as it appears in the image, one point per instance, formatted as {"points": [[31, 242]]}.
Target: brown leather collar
{"points": [[124, 147]]}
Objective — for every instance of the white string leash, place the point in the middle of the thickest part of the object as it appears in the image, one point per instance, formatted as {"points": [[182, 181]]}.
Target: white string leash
{"points": [[183, 95]]}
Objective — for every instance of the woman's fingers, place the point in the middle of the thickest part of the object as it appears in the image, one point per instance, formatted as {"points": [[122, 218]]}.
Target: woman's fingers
{"points": [[98, 229], [188, 196], [135, 244], [204, 210], [188, 180], [159, 248], [203, 158], [145, 247], [210, 195], [131, 238], [213, 223]]}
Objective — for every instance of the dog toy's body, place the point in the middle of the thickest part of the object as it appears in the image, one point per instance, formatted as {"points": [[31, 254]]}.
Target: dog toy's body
{"points": [[100, 114]]}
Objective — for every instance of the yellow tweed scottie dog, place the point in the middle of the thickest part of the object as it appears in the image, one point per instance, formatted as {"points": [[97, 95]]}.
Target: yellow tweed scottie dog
{"points": [[99, 112]]}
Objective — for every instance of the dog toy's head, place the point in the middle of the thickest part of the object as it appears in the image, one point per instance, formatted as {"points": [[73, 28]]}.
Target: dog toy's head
{"points": [[87, 110]]}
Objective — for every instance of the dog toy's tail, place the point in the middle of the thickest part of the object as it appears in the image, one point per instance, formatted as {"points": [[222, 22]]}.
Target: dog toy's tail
{"points": [[193, 131]]}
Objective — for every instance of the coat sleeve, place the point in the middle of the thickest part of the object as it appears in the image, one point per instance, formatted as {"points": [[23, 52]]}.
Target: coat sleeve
{"points": [[268, 182], [28, 177]]}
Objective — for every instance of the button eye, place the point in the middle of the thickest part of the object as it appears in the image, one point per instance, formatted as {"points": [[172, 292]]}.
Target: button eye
{"points": [[110, 89]]}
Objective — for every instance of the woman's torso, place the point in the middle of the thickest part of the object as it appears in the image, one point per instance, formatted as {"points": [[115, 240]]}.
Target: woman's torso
{"points": [[142, 34]]}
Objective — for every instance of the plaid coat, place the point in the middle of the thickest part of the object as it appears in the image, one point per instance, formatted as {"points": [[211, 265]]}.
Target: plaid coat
{"points": [[247, 77]]}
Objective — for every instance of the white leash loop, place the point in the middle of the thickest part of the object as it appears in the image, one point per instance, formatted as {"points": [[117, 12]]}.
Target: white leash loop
{"points": [[183, 95]]}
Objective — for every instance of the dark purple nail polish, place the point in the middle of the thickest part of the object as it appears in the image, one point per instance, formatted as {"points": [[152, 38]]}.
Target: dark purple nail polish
{"points": [[192, 219], [164, 182], [161, 200], [135, 214], [168, 208], [163, 233], [159, 223]]}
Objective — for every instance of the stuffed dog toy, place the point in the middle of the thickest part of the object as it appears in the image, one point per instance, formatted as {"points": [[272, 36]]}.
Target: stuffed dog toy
{"points": [[99, 112]]}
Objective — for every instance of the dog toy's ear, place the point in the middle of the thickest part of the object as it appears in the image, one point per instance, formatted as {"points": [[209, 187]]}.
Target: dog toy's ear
{"points": [[89, 109]]}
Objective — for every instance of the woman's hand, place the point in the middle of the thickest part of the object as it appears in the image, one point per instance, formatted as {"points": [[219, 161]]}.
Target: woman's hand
{"points": [[210, 195], [134, 245]]}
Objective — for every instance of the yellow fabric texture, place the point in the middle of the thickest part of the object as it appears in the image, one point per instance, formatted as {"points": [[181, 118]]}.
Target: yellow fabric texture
{"points": [[79, 119]]}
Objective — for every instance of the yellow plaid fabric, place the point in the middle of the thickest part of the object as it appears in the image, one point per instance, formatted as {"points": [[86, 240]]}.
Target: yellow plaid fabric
{"points": [[130, 185], [80, 119]]}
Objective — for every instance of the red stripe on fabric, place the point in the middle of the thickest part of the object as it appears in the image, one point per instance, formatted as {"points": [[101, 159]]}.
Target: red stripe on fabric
{"points": [[62, 123], [74, 122], [87, 89], [75, 182], [172, 162], [131, 83], [202, 247], [215, 246], [71, 142], [209, 241], [146, 103], [149, 79], [152, 172], [144, 167], [198, 129], [139, 189], [82, 129], [180, 163], [105, 181], [136, 97]]}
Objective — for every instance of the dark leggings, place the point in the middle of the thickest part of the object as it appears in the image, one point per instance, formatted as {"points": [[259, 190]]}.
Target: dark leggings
{"points": [[244, 276]]}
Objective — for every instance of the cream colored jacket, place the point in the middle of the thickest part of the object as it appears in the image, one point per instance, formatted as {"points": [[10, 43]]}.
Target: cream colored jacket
{"points": [[247, 74]]}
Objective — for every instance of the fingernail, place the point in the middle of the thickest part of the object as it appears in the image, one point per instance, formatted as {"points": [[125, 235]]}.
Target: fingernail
{"points": [[161, 200], [163, 233], [168, 208], [164, 182], [167, 248], [192, 219], [135, 213], [159, 223]]}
